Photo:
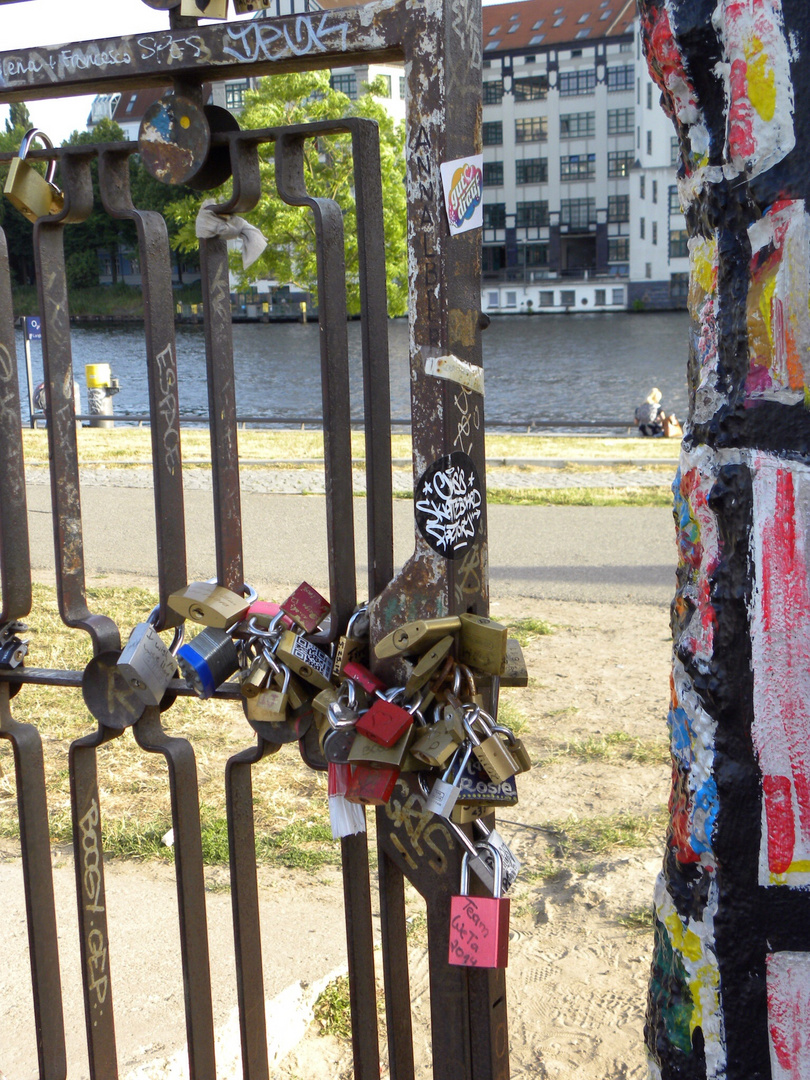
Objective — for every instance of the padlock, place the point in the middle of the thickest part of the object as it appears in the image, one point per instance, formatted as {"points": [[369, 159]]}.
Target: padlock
{"points": [[385, 722], [465, 813], [478, 789], [323, 699], [296, 691], [364, 678], [147, 664], [208, 660], [490, 751], [515, 747], [371, 753], [343, 712], [205, 9], [415, 637], [210, 604], [269, 706], [306, 607], [266, 612], [440, 740], [371, 786], [337, 745], [304, 658], [479, 925], [34, 195], [445, 791], [255, 678], [483, 643], [12, 649], [427, 666], [514, 671], [353, 645], [510, 861]]}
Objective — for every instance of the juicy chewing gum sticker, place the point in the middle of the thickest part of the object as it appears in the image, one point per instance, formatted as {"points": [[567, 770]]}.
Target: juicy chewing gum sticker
{"points": [[463, 183]]}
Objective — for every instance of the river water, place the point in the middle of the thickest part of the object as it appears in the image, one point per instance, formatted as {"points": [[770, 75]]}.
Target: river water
{"points": [[538, 369]]}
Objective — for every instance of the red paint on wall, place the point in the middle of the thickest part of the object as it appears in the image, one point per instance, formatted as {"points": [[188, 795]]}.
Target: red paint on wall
{"points": [[781, 830], [789, 1013]]}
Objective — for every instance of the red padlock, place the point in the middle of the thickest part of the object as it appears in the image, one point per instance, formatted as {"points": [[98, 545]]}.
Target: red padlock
{"points": [[384, 722], [306, 607], [363, 677], [479, 925], [370, 786]]}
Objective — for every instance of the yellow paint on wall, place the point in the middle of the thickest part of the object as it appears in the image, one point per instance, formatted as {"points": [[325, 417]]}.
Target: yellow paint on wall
{"points": [[685, 941], [704, 264], [761, 80]]}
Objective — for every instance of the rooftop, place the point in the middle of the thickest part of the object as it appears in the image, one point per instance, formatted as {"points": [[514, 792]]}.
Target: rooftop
{"points": [[525, 24]]}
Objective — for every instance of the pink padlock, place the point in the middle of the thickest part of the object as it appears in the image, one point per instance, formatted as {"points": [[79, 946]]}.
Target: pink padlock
{"points": [[479, 925], [361, 675]]}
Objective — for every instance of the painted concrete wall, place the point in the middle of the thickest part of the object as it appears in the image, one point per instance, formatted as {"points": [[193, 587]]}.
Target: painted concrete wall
{"points": [[730, 987]]}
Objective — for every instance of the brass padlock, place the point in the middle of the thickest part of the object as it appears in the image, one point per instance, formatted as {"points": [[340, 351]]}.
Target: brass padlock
{"points": [[352, 647], [34, 195], [415, 637], [514, 671], [493, 755], [483, 643], [427, 665], [303, 657], [205, 9], [254, 679], [210, 604]]}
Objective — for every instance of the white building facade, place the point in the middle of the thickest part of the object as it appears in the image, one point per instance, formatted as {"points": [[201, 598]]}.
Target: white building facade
{"points": [[578, 207]]}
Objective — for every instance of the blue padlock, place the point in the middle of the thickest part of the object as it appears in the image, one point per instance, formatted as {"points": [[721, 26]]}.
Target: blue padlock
{"points": [[208, 660]]}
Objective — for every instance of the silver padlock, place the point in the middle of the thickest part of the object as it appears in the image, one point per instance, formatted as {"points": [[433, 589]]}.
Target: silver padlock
{"points": [[509, 861], [477, 862], [147, 664], [343, 711], [445, 791]]}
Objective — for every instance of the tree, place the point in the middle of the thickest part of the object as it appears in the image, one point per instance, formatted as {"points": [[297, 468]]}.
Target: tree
{"points": [[18, 118], [290, 230]]}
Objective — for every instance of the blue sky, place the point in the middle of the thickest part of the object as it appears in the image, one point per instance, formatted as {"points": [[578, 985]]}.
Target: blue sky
{"points": [[53, 22]]}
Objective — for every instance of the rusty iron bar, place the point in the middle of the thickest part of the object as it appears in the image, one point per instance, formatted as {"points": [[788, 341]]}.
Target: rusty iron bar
{"points": [[43, 950], [161, 357], [15, 555]]}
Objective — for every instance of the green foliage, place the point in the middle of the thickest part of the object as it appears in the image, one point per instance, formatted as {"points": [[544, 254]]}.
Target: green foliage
{"points": [[333, 1013], [82, 269], [290, 257]]}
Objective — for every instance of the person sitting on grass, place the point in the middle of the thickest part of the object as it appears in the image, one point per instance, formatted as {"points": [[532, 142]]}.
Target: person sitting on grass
{"points": [[650, 416]]}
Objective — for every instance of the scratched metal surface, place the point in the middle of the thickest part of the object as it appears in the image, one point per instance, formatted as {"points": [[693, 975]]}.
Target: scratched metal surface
{"points": [[442, 51]]}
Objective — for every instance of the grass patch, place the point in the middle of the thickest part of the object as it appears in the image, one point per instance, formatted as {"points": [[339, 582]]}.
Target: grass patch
{"points": [[639, 920], [618, 746], [651, 496], [511, 716], [109, 301], [605, 834], [301, 845], [526, 630], [332, 1013]]}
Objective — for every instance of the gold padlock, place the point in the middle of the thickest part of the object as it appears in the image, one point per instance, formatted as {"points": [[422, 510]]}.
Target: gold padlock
{"points": [[415, 637], [210, 604], [514, 671], [483, 643], [34, 195], [427, 665], [205, 9]]}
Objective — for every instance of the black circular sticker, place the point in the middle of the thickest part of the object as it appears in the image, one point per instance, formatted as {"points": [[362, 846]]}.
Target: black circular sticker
{"points": [[448, 504]]}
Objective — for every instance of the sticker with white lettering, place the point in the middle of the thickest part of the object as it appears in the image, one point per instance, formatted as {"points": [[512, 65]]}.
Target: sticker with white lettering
{"points": [[449, 504]]}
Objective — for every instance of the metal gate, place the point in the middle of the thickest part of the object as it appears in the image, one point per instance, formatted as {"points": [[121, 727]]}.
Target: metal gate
{"points": [[441, 48]]}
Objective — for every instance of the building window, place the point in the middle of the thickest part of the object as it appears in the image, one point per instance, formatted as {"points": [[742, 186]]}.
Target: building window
{"points": [[547, 298], [620, 121], [511, 299], [493, 259], [578, 167], [649, 142], [655, 191], [648, 271], [346, 84], [649, 95], [600, 297], [402, 84], [493, 173], [536, 254], [655, 232], [492, 131], [493, 92], [642, 226], [618, 248], [619, 162], [235, 95], [531, 214], [674, 150], [574, 83], [618, 297], [678, 239], [493, 299], [531, 171], [530, 88], [568, 297], [618, 208], [642, 186], [578, 125], [620, 78], [577, 213], [679, 288], [674, 201], [387, 83], [531, 129], [494, 215]]}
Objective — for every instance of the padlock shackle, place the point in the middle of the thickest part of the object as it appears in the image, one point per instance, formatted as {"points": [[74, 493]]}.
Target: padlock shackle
{"points": [[497, 886], [448, 772], [179, 630], [25, 146]]}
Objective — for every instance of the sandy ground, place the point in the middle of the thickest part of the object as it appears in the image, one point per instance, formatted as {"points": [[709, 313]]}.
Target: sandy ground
{"points": [[577, 974]]}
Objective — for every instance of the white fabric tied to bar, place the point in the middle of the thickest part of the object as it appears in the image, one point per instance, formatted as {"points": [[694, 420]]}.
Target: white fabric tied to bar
{"points": [[231, 227]]}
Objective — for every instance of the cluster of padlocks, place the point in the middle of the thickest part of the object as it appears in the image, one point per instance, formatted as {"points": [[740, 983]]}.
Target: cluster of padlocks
{"points": [[433, 725]]}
